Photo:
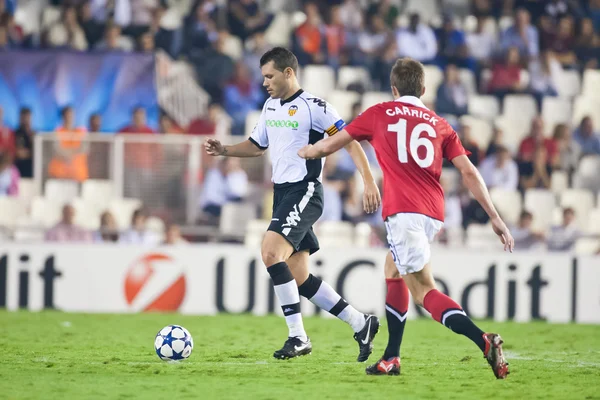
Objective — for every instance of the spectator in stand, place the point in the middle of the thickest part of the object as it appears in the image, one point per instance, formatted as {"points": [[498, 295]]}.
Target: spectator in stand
{"points": [[563, 237], [452, 95], [138, 123], [500, 170], [464, 133], [506, 76], [4, 42], [208, 124], [66, 230], [594, 9], [535, 139], [173, 235], [241, 96], [117, 11], [557, 9], [537, 155], [109, 231], [569, 151], [335, 35], [563, 43], [385, 9], [496, 142], [417, 41], [200, 31], [333, 205], [138, 232], [7, 136], [9, 176], [372, 42], [95, 123], [225, 182], [544, 74], [587, 45], [14, 32], [146, 43], [93, 29], [522, 35], [246, 17], [257, 46], [113, 40], [67, 32], [586, 137], [308, 42], [525, 237], [452, 45], [481, 44], [216, 68], [351, 14], [24, 140], [70, 159], [166, 125]]}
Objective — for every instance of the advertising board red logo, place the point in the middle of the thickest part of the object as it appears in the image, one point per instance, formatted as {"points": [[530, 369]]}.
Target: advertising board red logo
{"points": [[155, 282]]}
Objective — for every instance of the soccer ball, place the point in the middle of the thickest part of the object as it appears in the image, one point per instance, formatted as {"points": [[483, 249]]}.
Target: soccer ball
{"points": [[173, 343]]}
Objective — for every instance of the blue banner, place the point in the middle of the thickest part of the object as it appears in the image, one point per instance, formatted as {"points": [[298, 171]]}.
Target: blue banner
{"points": [[111, 84]]}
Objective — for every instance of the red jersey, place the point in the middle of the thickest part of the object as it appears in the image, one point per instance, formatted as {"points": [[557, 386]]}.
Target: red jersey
{"points": [[410, 142]]}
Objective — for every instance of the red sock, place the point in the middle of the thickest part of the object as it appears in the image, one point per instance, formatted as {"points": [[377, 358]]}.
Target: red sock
{"points": [[396, 306], [445, 310]]}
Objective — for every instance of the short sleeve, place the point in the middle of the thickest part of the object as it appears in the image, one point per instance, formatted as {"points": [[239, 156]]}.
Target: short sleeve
{"points": [[361, 128], [453, 148], [259, 134], [325, 118]]}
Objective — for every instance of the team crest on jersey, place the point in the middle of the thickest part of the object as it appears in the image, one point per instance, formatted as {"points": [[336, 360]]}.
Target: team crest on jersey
{"points": [[292, 110]]}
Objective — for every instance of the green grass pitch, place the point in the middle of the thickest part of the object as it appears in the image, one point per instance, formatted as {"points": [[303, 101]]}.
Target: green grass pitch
{"points": [[53, 355]]}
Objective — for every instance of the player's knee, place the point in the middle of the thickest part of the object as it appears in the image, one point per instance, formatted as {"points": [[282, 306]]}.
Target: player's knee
{"points": [[271, 256]]}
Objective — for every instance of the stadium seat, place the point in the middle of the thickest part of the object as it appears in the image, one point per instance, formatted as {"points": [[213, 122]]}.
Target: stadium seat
{"points": [[591, 83], [481, 237], [233, 47], [251, 120], [559, 182], [280, 30], [425, 8], [343, 101], [235, 217], [122, 209], [555, 110], [540, 203], [348, 75], [156, 225], [481, 130], [255, 232], [97, 192], [11, 208], [433, 78], [587, 175], [27, 190], [24, 235], [509, 204], [593, 221], [371, 98], [586, 106], [587, 246], [61, 191], [568, 84], [505, 22], [86, 214], [45, 212], [524, 78], [514, 132], [520, 107], [335, 233], [318, 80], [467, 77], [451, 179], [484, 106], [580, 200], [50, 16]]}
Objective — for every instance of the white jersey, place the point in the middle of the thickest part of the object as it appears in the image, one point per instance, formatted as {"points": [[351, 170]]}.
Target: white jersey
{"points": [[285, 126]]}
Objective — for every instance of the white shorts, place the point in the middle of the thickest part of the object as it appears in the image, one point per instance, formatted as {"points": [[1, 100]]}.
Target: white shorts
{"points": [[409, 237]]}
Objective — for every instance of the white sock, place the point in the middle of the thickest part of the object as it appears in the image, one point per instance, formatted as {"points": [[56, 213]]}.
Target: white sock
{"points": [[353, 317], [286, 291]]}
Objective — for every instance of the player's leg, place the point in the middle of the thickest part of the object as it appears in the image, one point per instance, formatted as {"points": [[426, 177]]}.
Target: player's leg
{"points": [[446, 311], [396, 308], [275, 251], [324, 296]]}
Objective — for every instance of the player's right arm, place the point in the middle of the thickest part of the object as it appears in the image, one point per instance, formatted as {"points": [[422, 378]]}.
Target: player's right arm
{"points": [[474, 182]]}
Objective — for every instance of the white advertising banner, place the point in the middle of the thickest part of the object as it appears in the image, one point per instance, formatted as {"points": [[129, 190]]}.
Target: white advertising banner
{"points": [[208, 279]]}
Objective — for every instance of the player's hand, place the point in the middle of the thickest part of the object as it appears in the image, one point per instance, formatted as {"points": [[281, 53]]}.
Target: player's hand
{"points": [[371, 197], [214, 147], [303, 152], [502, 231]]}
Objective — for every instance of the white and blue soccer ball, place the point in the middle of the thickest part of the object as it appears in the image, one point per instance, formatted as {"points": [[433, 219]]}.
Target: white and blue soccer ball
{"points": [[173, 343]]}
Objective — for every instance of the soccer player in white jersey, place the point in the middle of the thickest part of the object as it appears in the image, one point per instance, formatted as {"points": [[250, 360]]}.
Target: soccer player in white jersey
{"points": [[291, 119]]}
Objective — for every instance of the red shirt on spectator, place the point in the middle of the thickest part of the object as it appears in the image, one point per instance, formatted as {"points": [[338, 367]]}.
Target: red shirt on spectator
{"points": [[504, 77], [7, 140], [202, 127], [141, 155], [529, 144], [137, 129]]}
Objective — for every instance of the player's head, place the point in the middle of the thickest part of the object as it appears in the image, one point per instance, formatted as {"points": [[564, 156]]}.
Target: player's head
{"points": [[407, 78], [279, 67]]}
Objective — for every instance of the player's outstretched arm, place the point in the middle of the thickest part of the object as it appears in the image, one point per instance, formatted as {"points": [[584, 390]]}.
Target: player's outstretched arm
{"points": [[325, 147], [371, 195], [474, 182], [246, 148]]}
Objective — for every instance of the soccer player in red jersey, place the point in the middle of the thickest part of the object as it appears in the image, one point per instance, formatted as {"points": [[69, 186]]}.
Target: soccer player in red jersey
{"points": [[410, 142]]}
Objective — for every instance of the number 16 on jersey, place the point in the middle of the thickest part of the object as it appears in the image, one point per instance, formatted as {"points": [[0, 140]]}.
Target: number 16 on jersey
{"points": [[415, 141]]}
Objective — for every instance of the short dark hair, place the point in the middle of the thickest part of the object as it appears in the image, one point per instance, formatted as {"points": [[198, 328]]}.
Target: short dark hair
{"points": [[24, 110], [408, 76], [282, 58], [525, 214]]}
